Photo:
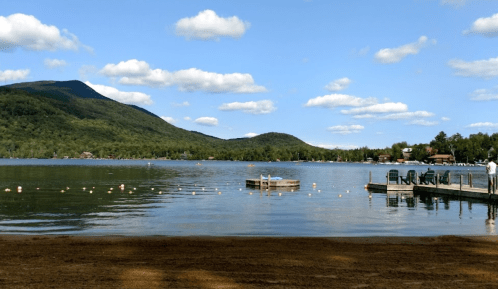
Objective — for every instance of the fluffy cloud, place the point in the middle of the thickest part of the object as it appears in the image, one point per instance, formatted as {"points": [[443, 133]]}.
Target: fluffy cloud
{"points": [[394, 55], [121, 96], [479, 68], [20, 30], [423, 122], [486, 26], [187, 118], [12, 75], [252, 107], [250, 134], [207, 121], [131, 67], [185, 103], [444, 118], [136, 72], [483, 125], [407, 115], [209, 26], [54, 63], [387, 107], [484, 94], [169, 119], [346, 129], [335, 100], [338, 84]]}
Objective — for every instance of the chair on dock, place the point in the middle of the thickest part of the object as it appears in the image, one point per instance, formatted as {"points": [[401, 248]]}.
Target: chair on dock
{"points": [[444, 179], [392, 176], [410, 177], [430, 177]]}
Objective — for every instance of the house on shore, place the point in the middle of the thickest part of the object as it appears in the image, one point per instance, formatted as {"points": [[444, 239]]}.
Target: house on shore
{"points": [[86, 155], [384, 158], [442, 159]]}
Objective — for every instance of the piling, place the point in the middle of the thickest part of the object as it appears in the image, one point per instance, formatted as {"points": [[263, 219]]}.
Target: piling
{"points": [[449, 178], [461, 182], [416, 178], [370, 177], [261, 181], [437, 181]]}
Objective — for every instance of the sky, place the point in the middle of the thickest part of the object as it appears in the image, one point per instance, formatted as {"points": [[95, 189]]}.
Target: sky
{"points": [[335, 74]]}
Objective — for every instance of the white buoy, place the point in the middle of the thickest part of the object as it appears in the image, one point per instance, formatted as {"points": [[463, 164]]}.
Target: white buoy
{"points": [[134, 189], [319, 191], [203, 189], [67, 188], [340, 196], [111, 189], [93, 187], [314, 184], [279, 194], [179, 189], [309, 195], [215, 189], [250, 193], [7, 190], [37, 188], [62, 191], [240, 189], [369, 196], [292, 190], [219, 193], [152, 188], [160, 192], [195, 185], [193, 193], [130, 192], [91, 192], [108, 192], [347, 191], [84, 188], [19, 189]]}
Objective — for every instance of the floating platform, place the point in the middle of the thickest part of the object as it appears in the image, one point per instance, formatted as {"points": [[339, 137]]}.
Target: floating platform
{"points": [[451, 190], [257, 183]]}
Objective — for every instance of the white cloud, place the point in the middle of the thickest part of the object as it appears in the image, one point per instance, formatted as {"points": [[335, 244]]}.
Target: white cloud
{"points": [[335, 100], [444, 118], [252, 107], [407, 115], [346, 129], [121, 96], [338, 84], [251, 134], [209, 26], [11, 75], [483, 125], [207, 121], [486, 26], [187, 118], [131, 67], [394, 55], [479, 68], [136, 72], [20, 30], [54, 63], [169, 119], [185, 103], [484, 94], [423, 122], [378, 108], [362, 116]]}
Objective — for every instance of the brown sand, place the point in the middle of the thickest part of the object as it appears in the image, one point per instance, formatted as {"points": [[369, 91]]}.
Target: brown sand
{"points": [[233, 262]]}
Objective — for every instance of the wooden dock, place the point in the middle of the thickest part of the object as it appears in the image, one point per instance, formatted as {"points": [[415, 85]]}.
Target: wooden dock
{"points": [[272, 184], [454, 190]]}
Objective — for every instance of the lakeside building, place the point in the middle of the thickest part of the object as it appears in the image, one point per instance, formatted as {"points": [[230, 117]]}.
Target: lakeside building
{"points": [[442, 159]]}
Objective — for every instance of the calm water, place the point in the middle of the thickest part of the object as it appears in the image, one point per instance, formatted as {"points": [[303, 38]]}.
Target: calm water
{"points": [[338, 206]]}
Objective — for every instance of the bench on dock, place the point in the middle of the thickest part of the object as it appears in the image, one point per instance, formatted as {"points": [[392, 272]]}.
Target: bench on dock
{"points": [[445, 179], [392, 176], [410, 177]]}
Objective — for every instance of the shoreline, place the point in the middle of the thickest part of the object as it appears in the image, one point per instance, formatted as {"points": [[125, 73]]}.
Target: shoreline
{"points": [[40, 261]]}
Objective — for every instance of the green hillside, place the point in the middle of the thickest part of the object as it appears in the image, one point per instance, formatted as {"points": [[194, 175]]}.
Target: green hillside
{"points": [[68, 117]]}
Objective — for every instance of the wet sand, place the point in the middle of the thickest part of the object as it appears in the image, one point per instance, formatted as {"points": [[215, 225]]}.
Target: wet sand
{"points": [[254, 262]]}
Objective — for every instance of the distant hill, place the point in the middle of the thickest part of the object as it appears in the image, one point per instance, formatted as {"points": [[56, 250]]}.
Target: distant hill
{"points": [[38, 119]]}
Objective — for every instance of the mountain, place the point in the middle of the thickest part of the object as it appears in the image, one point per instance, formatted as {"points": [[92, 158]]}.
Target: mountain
{"points": [[40, 119]]}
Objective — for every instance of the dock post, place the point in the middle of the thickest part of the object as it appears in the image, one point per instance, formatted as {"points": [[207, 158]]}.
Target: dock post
{"points": [[494, 184], [449, 179], [261, 181], [269, 179], [461, 182], [387, 178], [370, 177], [470, 180], [437, 181], [416, 178]]}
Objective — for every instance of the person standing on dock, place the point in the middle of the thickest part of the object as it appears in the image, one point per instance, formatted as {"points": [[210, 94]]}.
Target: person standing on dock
{"points": [[491, 170]]}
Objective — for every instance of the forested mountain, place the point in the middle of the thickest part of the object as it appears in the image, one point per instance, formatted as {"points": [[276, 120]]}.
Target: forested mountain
{"points": [[65, 118]]}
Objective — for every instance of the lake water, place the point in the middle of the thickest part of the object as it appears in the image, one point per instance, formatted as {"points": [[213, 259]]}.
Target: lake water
{"points": [[222, 205]]}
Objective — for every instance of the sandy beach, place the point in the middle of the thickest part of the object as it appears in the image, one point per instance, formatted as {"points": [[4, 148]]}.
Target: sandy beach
{"points": [[253, 262]]}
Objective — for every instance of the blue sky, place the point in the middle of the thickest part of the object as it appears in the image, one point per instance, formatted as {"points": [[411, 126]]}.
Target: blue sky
{"points": [[333, 73]]}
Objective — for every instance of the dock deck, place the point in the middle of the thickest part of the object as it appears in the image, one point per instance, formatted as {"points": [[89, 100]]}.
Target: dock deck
{"points": [[273, 183], [451, 190]]}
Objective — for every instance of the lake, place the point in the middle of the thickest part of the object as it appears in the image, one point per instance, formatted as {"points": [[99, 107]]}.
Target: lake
{"points": [[158, 199]]}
